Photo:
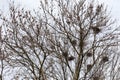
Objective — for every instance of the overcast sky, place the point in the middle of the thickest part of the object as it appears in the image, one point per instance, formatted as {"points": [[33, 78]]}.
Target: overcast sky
{"points": [[113, 5]]}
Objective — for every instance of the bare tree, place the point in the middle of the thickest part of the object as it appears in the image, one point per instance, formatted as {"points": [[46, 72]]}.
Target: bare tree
{"points": [[73, 40]]}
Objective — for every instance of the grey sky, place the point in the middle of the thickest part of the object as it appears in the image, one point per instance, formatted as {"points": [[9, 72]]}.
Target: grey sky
{"points": [[113, 5], [31, 4]]}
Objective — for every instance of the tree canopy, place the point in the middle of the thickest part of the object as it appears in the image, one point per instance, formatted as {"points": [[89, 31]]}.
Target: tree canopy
{"points": [[63, 40]]}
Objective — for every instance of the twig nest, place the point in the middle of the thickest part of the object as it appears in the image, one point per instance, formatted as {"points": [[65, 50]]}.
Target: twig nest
{"points": [[89, 54], [52, 47], [98, 9], [91, 6], [74, 42], [78, 18], [89, 67], [24, 38], [68, 22], [96, 78], [96, 30], [65, 54], [71, 58], [105, 59]]}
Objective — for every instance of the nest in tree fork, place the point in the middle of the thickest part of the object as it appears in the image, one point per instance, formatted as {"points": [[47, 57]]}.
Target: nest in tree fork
{"points": [[74, 42], [65, 54], [71, 58], [105, 59], [96, 78], [96, 30], [89, 54], [89, 67]]}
